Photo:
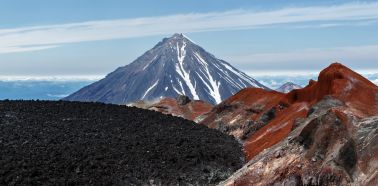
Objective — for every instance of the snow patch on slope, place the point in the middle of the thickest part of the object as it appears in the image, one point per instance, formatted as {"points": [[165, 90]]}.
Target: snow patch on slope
{"points": [[181, 53], [149, 89], [214, 85], [148, 64], [287, 87]]}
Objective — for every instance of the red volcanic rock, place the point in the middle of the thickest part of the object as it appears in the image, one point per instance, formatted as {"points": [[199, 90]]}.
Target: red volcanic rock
{"points": [[328, 148], [190, 110], [342, 83], [275, 130], [259, 117], [323, 134], [244, 114]]}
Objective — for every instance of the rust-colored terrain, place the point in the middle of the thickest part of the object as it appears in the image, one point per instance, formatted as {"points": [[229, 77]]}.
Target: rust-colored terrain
{"points": [[323, 134], [182, 106]]}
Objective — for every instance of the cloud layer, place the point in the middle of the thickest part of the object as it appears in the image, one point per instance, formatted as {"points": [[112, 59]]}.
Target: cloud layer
{"points": [[51, 78], [355, 56], [50, 36]]}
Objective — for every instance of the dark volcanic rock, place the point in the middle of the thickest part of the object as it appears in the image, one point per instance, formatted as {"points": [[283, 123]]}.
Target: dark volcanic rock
{"points": [[182, 100], [71, 143], [268, 116]]}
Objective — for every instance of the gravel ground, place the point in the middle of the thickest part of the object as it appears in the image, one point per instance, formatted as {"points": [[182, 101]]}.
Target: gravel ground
{"points": [[72, 143]]}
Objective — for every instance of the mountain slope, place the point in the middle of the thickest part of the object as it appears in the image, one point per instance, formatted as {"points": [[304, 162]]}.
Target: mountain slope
{"points": [[251, 113], [73, 143], [175, 66], [322, 134], [287, 87]]}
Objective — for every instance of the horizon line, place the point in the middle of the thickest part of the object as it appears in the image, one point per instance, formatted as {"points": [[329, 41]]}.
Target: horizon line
{"points": [[95, 77]]}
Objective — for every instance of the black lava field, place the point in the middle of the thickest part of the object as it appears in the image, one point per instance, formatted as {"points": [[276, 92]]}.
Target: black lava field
{"points": [[72, 143]]}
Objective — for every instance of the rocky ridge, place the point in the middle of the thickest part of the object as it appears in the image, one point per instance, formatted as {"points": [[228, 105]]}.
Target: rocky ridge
{"points": [[323, 134]]}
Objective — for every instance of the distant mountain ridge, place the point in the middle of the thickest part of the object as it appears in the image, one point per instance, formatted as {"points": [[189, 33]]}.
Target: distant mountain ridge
{"points": [[287, 87], [175, 66]]}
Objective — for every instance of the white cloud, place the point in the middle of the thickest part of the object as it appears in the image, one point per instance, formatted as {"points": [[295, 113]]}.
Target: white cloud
{"points": [[57, 95], [52, 78], [11, 49], [363, 59], [43, 37], [375, 81], [358, 23], [286, 73], [368, 52]]}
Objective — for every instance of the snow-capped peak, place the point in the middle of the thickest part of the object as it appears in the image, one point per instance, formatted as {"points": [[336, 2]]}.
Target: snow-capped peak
{"points": [[287, 87], [176, 65]]}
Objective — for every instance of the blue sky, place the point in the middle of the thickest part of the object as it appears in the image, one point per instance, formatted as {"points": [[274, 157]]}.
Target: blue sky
{"points": [[93, 37]]}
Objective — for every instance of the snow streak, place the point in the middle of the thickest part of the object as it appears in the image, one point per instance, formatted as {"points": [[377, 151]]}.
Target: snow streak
{"points": [[181, 52]]}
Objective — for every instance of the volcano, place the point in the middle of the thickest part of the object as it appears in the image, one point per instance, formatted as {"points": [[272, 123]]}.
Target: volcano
{"points": [[175, 66]]}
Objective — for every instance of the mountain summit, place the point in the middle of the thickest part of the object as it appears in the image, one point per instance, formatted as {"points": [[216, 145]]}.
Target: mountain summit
{"points": [[175, 66], [287, 87]]}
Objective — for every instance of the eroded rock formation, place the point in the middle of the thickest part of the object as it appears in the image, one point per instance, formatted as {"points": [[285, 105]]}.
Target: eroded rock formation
{"points": [[323, 134]]}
